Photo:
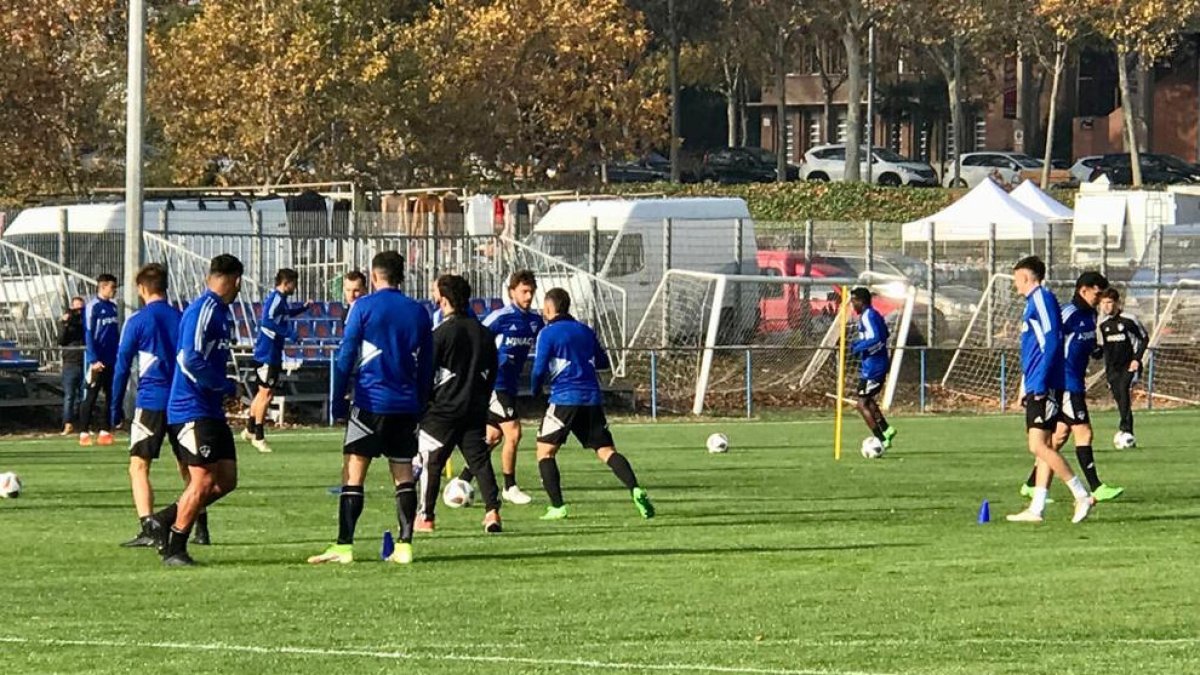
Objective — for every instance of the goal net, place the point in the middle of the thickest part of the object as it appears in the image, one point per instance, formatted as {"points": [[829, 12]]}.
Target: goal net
{"points": [[988, 356], [1174, 345]]}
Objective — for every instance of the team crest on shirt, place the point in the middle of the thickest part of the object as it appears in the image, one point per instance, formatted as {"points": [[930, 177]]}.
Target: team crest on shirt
{"points": [[205, 451]]}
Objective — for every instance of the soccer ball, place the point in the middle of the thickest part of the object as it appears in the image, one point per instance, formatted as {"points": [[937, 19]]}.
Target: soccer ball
{"points": [[872, 448], [1124, 440], [717, 443], [10, 485], [458, 493]]}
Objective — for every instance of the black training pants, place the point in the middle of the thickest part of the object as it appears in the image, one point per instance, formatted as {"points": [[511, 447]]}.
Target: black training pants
{"points": [[97, 384], [472, 440], [1121, 385]]}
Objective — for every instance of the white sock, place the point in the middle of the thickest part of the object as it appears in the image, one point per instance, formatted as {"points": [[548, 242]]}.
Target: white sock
{"points": [[1078, 489], [1038, 504]]}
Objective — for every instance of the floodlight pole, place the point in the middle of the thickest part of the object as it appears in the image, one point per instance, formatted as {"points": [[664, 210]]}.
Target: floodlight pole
{"points": [[133, 150]]}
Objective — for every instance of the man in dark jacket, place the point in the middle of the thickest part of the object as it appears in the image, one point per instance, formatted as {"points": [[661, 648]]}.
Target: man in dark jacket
{"points": [[71, 336]]}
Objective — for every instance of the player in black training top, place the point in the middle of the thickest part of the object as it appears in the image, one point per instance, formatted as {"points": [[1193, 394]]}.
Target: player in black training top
{"points": [[464, 362], [1122, 342]]}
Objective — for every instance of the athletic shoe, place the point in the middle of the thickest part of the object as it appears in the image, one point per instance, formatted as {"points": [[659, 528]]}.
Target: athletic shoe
{"points": [[1025, 516], [105, 438], [403, 555], [247, 436], [260, 444], [555, 513], [143, 540], [424, 525], [1027, 492], [200, 537], [888, 436], [1082, 508], [1107, 492], [514, 495], [85, 440], [181, 559], [491, 522], [642, 501], [68, 429], [337, 553]]}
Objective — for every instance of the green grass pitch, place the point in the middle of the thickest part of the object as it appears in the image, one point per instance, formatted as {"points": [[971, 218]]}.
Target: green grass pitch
{"points": [[770, 559]]}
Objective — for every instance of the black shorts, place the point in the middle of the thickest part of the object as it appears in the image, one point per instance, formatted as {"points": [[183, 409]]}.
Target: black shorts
{"points": [[147, 432], [267, 374], [437, 436], [586, 422], [202, 442], [868, 388], [503, 408], [374, 435], [1043, 413], [1074, 408]]}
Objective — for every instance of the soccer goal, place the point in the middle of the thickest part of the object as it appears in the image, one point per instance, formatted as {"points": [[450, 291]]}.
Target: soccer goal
{"points": [[1174, 345], [708, 333], [988, 355]]}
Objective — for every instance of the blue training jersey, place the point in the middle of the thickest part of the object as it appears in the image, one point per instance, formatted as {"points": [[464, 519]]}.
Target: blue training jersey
{"points": [[568, 356], [199, 385], [101, 332], [151, 336], [1041, 343], [871, 345], [273, 328], [389, 337], [1079, 341], [516, 333]]}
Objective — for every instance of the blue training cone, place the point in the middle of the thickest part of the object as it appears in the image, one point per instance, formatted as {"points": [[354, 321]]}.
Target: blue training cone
{"points": [[985, 513], [389, 545]]}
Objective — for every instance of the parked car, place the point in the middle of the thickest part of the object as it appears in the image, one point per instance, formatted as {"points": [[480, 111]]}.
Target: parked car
{"points": [[1081, 170], [828, 163], [1156, 169], [1007, 168], [743, 165]]}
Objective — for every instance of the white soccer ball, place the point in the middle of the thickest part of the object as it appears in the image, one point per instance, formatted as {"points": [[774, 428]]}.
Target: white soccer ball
{"points": [[872, 448], [717, 443], [458, 493], [10, 485], [1124, 440]]}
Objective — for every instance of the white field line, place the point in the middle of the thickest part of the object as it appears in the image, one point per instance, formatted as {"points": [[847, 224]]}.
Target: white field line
{"points": [[388, 654], [859, 643]]}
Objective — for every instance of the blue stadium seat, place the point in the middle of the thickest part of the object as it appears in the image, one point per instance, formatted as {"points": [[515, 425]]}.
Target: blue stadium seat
{"points": [[336, 310], [497, 303], [324, 330], [304, 330], [479, 306], [292, 353], [11, 359], [256, 309], [317, 310], [239, 311], [338, 329]]}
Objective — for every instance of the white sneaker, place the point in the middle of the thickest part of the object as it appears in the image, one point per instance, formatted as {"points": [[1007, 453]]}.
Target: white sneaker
{"points": [[514, 495], [1025, 516], [261, 445], [1082, 508], [247, 436]]}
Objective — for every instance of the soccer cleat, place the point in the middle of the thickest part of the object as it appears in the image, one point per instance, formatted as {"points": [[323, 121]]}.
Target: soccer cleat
{"points": [[201, 538], [1082, 508], [105, 438], [403, 555], [1027, 491], [247, 436], [85, 440], [1025, 516], [337, 553], [261, 445], [1106, 492], [424, 525], [555, 513], [143, 540], [181, 559], [888, 435], [642, 501], [514, 495], [68, 429], [491, 522]]}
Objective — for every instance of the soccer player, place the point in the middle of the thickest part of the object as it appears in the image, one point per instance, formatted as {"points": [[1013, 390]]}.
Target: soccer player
{"points": [[568, 356], [1122, 342], [1042, 382], [354, 286], [871, 347], [151, 336], [196, 424], [273, 331], [515, 328], [1079, 343], [389, 337], [101, 333], [464, 357]]}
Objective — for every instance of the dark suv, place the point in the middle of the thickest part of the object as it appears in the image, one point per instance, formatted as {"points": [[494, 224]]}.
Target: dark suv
{"points": [[743, 165], [1156, 169]]}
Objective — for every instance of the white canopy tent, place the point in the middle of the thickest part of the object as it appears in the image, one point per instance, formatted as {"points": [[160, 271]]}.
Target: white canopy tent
{"points": [[1030, 195], [971, 217]]}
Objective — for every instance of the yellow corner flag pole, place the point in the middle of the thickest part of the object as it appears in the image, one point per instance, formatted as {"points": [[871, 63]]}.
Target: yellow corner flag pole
{"points": [[843, 313]]}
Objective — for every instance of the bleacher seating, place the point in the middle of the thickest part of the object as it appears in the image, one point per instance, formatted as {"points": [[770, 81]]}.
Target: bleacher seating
{"points": [[11, 358]]}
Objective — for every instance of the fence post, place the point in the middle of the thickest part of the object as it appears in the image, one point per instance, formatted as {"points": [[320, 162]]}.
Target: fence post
{"points": [[749, 387], [1003, 381], [329, 407], [352, 232], [739, 228], [991, 291], [1150, 382], [1104, 249], [594, 246], [654, 385], [63, 239], [1049, 250], [668, 233], [668, 225], [1158, 269], [164, 222], [257, 245], [808, 247], [930, 261], [869, 238], [921, 392]]}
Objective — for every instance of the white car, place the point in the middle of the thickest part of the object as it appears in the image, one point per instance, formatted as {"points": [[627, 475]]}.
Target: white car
{"points": [[825, 163], [1004, 167], [1081, 171]]}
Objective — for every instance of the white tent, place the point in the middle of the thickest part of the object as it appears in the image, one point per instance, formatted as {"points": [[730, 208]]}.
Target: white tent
{"points": [[971, 217], [1032, 196]]}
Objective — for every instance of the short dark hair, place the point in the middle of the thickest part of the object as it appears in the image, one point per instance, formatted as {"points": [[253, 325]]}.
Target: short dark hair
{"points": [[1110, 293], [285, 275], [560, 299], [861, 294], [80, 298], [391, 265], [355, 276], [1033, 264], [226, 265], [154, 277], [456, 291], [1091, 280], [106, 279], [522, 277]]}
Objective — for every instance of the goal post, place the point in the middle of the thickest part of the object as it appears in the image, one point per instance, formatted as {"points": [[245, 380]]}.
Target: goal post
{"points": [[979, 365], [1173, 346]]}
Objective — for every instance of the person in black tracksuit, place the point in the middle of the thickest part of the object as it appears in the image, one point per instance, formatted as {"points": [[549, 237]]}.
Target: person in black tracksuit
{"points": [[465, 362], [1121, 341]]}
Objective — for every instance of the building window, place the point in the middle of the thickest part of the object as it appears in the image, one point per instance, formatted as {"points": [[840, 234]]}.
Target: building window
{"points": [[814, 129], [981, 133], [791, 138]]}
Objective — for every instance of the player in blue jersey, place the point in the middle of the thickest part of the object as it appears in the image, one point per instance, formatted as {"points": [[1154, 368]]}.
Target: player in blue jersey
{"points": [[101, 332], [872, 348], [196, 424], [568, 358], [389, 337], [515, 327], [1042, 384], [273, 332], [1079, 346]]}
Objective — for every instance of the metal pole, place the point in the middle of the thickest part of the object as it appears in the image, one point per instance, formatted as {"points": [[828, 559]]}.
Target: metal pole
{"points": [[930, 260], [1150, 382], [164, 222], [1003, 381], [352, 231], [739, 229], [1158, 270], [749, 387], [991, 290], [870, 130], [666, 256], [257, 244], [921, 393], [808, 247], [869, 238], [594, 246], [1104, 249], [133, 149], [654, 385], [63, 229]]}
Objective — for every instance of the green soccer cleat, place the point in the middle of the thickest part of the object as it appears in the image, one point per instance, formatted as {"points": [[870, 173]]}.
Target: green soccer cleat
{"points": [[888, 435], [1106, 492], [1027, 492], [642, 501], [555, 513], [403, 555], [337, 553]]}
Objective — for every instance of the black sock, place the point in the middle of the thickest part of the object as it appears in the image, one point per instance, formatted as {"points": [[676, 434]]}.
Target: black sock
{"points": [[202, 522], [510, 480], [146, 522], [621, 469], [883, 423], [167, 516], [260, 430], [1032, 482], [877, 432], [406, 509], [350, 507], [176, 543], [466, 474], [251, 425], [1087, 464], [551, 480]]}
